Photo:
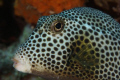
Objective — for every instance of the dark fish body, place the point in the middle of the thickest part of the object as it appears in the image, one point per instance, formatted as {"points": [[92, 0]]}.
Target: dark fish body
{"points": [[76, 44]]}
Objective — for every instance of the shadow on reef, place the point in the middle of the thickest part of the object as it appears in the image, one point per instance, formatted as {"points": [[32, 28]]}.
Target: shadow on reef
{"points": [[10, 25]]}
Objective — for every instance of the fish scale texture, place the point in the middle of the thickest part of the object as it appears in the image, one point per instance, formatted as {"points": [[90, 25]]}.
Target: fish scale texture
{"points": [[76, 44]]}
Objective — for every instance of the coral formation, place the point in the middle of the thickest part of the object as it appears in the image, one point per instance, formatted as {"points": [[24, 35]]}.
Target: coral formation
{"points": [[31, 10]]}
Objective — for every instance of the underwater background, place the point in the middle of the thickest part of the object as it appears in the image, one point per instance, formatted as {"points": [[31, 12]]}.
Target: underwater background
{"points": [[19, 17]]}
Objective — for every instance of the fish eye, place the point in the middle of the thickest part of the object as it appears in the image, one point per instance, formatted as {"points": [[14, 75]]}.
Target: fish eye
{"points": [[57, 26]]}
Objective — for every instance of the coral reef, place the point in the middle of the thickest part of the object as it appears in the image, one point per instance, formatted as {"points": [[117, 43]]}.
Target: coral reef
{"points": [[31, 10]]}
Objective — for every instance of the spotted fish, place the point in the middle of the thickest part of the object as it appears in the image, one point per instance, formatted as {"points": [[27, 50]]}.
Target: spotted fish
{"points": [[76, 44]]}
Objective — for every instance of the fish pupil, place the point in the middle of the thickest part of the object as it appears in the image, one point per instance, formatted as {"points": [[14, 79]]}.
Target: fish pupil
{"points": [[58, 26]]}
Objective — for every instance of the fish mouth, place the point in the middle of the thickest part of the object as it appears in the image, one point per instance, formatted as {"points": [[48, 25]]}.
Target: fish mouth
{"points": [[21, 65], [15, 62]]}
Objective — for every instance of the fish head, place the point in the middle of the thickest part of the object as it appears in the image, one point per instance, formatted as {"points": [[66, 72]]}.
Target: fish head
{"points": [[69, 45]]}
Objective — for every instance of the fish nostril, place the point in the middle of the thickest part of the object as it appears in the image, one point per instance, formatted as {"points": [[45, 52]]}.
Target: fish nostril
{"points": [[40, 31]]}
